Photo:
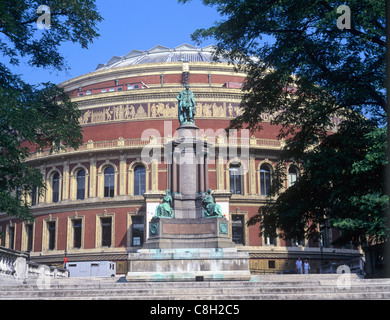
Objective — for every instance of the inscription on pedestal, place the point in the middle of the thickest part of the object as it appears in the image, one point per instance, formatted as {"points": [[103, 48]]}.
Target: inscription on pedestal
{"points": [[188, 228]]}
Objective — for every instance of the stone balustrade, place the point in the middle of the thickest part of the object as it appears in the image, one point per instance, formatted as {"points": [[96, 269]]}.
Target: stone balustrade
{"points": [[14, 265], [121, 143]]}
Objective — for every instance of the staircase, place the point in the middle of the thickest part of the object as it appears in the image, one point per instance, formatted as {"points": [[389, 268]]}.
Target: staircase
{"points": [[262, 287]]}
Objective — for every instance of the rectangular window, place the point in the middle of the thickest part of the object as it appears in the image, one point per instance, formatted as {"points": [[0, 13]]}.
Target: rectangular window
{"points": [[112, 89], [138, 230], [104, 90], [88, 93], [11, 237], [238, 229], [106, 224], [77, 228], [80, 94], [30, 235], [271, 264], [51, 228], [119, 88]]}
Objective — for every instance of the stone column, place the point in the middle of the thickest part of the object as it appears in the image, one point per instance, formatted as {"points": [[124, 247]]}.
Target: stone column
{"points": [[154, 169], [65, 181], [92, 177], [43, 172], [220, 173], [122, 175], [252, 175], [188, 164], [206, 172], [187, 150]]}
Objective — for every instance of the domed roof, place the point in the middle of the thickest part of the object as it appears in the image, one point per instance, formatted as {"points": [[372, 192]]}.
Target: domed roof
{"points": [[157, 54]]}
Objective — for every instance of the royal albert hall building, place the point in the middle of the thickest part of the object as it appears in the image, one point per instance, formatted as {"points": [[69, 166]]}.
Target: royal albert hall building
{"points": [[97, 202]]}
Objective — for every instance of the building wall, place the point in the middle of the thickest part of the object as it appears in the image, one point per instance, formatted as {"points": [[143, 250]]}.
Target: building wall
{"points": [[117, 126]]}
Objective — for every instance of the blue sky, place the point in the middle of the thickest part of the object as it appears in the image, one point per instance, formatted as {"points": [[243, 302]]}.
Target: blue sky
{"points": [[128, 25]]}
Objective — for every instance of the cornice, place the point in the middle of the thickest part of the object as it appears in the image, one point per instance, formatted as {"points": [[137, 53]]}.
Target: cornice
{"points": [[148, 69], [155, 95]]}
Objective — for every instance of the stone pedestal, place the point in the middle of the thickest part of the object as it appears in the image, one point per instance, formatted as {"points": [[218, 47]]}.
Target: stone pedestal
{"points": [[188, 265]]}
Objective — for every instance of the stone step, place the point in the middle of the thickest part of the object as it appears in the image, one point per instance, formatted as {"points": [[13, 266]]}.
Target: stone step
{"points": [[261, 287], [109, 282], [303, 277], [279, 296], [269, 285], [188, 293]]}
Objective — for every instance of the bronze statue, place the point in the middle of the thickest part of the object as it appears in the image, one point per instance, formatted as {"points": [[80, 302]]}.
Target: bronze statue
{"points": [[210, 208], [187, 106], [165, 210]]}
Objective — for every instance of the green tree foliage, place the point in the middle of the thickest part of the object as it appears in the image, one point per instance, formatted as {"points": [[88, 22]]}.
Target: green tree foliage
{"points": [[366, 202], [342, 182], [306, 71], [36, 117]]}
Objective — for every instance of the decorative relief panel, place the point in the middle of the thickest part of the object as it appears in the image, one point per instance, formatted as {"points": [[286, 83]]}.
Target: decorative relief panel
{"points": [[168, 110], [156, 111]]}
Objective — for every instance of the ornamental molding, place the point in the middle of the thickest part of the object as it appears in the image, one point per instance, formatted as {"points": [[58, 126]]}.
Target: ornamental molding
{"points": [[155, 95]]}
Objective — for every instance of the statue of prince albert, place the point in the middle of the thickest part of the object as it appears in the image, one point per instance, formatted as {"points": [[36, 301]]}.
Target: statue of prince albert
{"points": [[187, 106]]}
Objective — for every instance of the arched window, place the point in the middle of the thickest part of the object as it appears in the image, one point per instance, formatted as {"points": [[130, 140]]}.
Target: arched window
{"points": [[56, 187], [293, 173], [80, 184], [235, 172], [109, 182], [265, 179], [139, 180]]}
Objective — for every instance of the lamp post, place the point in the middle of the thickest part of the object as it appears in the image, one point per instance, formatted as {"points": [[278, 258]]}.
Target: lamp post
{"points": [[65, 258], [322, 245]]}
